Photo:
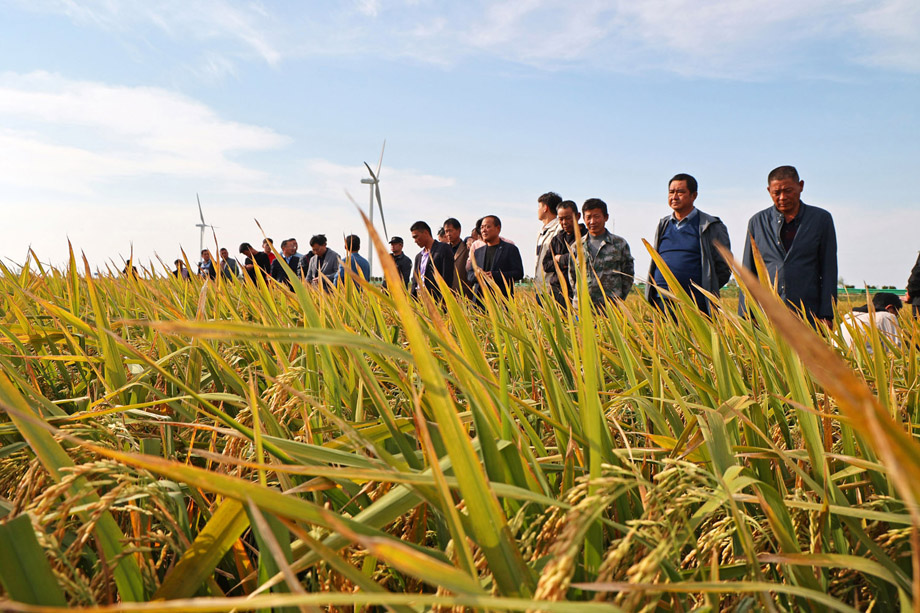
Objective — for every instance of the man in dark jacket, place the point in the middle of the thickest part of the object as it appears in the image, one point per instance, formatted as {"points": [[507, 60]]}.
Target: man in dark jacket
{"points": [[288, 247], [253, 259], [686, 241], [461, 255], [560, 249], [498, 260], [799, 247], [913, 288], [403, 262], [435, 255]]}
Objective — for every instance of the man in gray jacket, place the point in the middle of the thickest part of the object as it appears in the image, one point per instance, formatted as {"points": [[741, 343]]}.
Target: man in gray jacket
{"points": [[799, 247], [686, 240], [324, 264]]}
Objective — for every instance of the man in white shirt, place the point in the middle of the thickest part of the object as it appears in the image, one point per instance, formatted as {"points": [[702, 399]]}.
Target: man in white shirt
{"points": [[859, 322], [546, 212]]}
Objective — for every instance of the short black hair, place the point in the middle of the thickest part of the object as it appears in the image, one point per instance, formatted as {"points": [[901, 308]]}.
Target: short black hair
{"points": [[285, 242], [781, 173], [420, 226], [270, 241], [495, 220], [691, 181], [594, 204], [551, 200], [880, 302], [245, 247], [353, 242], [205, 251], [318, 239], [452, 222], [178, 262], [441, 231], [567, 204]]}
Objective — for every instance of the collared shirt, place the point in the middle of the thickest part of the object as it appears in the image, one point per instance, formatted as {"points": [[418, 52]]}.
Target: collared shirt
{"points": [[680, 223], [423, 262]]}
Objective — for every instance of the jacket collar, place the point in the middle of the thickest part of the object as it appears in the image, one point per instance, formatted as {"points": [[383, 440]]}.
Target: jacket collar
{"points": [[778, 217]]}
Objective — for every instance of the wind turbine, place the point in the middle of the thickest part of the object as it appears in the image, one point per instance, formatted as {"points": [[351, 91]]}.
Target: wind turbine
{"points": [[374, 183], [201, 225]]}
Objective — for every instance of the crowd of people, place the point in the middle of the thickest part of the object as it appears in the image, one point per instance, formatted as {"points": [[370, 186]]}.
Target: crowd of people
{"points": [[796, 241]]}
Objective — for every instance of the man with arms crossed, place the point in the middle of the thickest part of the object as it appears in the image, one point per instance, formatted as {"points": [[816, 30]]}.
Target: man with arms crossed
{"points": [[686, 240], [609, 263], [561, 248], [799, 247]]}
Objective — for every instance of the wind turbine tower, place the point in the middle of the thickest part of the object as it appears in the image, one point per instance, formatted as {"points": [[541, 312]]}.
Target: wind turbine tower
{"points": [[374, 183], [201, 225]]}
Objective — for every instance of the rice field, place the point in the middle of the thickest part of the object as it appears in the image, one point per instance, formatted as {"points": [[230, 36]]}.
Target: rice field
{"points": [[187, 446]]}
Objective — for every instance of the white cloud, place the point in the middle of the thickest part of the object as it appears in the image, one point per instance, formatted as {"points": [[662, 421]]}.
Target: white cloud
{"points": [[75, 133], [111, 167], [711, 38], [893, 32], [248, 25]]}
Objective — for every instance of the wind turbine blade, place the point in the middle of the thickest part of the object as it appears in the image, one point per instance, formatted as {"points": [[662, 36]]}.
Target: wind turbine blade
{"points": [[380, 206], [373, 176], [380, 161], [200, 212]]}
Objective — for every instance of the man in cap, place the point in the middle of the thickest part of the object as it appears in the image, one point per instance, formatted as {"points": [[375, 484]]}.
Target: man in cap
{"points": [[403, 262]]}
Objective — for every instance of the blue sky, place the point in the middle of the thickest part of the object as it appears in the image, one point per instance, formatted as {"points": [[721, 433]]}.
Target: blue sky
{"points": [[114, 114]]}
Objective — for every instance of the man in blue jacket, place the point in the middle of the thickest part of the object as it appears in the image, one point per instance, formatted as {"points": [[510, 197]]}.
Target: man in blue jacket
{"points": [[357, 264], [498, 260], [686, 241], [799, 247]]}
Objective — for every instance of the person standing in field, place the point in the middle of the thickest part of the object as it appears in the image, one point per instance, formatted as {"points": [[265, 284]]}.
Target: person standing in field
{"points": [[434, 256], [402, 261], [206, 266], [799, 247], [181, 272], [546, 212], [253, 259], [228, 267], [267, 245], [496, 259], [357, 264], [561, 250], [461, 255], [324, 263], [686, 240], [288, 247], [912, 296], [609, 263]]}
